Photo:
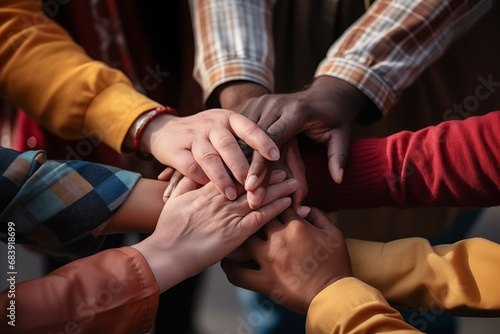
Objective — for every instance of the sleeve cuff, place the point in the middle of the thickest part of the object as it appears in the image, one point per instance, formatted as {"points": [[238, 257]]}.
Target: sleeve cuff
{"points": [[363, 78], [365, 182], [339, 301], [149, 289], [112, 113], [351, 306]]}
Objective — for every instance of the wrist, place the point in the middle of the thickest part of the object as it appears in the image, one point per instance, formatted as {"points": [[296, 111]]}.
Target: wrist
{"points": [[163, 262], [233, 95], [139, 136], [352, 98], [363, 109]]}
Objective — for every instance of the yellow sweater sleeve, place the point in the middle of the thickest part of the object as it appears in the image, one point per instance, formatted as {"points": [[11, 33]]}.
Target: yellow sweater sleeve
{"points": [[43, 71], [351, 306], [461, 278]]}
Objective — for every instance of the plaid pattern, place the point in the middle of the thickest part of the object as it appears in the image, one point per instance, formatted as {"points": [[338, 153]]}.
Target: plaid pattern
{"points": [[381, 54], [230, 43], [393, 43], [56, 205]]}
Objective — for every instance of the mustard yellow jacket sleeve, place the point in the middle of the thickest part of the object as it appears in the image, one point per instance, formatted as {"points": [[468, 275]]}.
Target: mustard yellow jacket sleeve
{"points": [[460, 278], [43, 71], [351, 306]]}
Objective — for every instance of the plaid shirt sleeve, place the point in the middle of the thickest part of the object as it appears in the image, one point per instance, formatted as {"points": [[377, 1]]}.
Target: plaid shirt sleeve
{"points": [[391, 45], [56, 205], [232, 43]]}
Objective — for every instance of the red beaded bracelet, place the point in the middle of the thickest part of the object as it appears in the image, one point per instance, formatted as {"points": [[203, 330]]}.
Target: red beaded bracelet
{"points": [[141, 125]]}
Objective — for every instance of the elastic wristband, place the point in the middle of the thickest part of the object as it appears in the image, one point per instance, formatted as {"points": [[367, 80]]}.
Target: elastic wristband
{"points": [[141, 125]]}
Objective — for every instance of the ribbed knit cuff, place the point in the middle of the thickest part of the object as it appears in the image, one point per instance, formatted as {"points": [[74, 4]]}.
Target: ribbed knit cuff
{"points": [[365, 182]]}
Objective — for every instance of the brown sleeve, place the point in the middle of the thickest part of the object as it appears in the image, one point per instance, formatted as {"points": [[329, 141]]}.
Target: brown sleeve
{"points": [[113, 291]]}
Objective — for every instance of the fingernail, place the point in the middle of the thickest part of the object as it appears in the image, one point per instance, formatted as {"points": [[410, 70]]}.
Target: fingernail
{"points": [[275, 154], [258, 196], [287, 201], [230, 193], [252, 182], [169, 190], [340, 175], [303, 211], [279, 175], [292, 183]]}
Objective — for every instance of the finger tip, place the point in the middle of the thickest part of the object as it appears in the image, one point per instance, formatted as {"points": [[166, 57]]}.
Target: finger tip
{"points": [[251, 183], [254, 202], [303, 211], [230, 193], [340, 175], [275, 154]]}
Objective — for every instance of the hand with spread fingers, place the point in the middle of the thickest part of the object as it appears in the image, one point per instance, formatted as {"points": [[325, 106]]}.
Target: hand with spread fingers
{"points": [[203, 145], [200, 227], [324, 112]]}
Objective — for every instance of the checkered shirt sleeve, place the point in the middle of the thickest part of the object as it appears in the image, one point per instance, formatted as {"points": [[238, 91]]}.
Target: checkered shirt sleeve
{"points": [[391, 45], [55, 205], [232, 43]]}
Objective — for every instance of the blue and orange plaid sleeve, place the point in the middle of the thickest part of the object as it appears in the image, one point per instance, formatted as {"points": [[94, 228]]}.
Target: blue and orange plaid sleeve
{"points": [[55, 205]]}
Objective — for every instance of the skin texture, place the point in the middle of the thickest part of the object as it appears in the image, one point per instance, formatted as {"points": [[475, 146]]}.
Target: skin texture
{"points": [[198, 228], [141, 210], [324, 112], [293, 259], [201, 145]]}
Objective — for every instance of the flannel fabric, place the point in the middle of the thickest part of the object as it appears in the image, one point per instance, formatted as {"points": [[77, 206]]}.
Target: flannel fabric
{"points": [[381, 54], [395, 41], [56, 205], [233, 42]]}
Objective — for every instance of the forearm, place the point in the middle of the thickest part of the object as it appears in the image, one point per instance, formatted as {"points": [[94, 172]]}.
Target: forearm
{"points": [[233, 95], [452, 164], [113, 291], [233, 43], [141, 210], [60, 206], [396, 40], [458, 278], [47, 74]]}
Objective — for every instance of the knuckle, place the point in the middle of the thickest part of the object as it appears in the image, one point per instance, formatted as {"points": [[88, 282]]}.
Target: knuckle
{"points": [[192, 168], [209, 157], [227, 143]]}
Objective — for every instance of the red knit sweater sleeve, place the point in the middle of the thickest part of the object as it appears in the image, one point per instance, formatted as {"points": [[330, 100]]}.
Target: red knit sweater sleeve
{"points": [[456, 163]]}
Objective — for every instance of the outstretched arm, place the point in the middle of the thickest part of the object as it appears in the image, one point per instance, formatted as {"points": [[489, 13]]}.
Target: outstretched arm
{"points": [[49, 200], [457, 278], [118, 289], [112, 291], [452, 164], [304, 265], [53, 79], [386, 50], [85, 97]]}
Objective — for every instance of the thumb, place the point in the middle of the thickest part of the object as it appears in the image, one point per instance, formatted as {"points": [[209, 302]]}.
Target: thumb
{"points": [[319, 219], [338, 150]]}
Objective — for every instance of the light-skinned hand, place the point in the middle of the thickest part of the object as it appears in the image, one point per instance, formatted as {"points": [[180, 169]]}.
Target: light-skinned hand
{"points": [[200, 227], [201, 146]]}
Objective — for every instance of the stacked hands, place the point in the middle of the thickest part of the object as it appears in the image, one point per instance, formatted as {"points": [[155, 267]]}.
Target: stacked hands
{"points": [[291, 259], [247, 209]]}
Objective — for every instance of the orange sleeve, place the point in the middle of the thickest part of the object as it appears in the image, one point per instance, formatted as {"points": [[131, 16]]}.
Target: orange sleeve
{"points": [[113, 291]]}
